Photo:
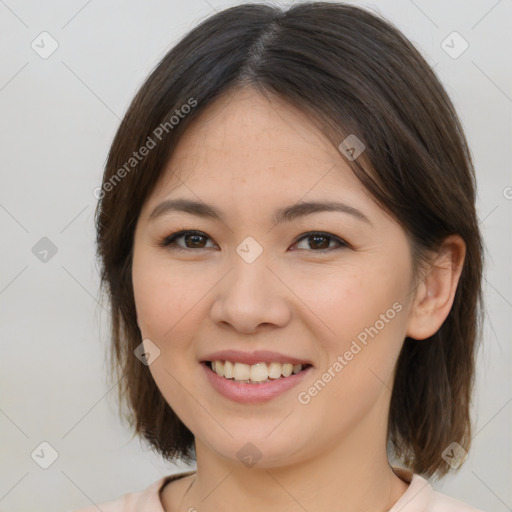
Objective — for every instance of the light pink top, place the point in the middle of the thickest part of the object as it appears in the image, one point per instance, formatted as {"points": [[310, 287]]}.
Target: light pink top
{"points": [[419, 497]]}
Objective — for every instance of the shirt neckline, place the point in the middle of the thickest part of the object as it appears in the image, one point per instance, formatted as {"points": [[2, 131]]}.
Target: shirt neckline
{"points": [[415, 498]]}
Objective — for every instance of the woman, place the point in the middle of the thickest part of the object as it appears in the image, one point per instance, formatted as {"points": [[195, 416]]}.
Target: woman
{"points": [[288, 239]]}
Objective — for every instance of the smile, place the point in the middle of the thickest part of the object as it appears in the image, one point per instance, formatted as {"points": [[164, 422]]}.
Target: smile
{"points": [[255, 373], [255, 383]]}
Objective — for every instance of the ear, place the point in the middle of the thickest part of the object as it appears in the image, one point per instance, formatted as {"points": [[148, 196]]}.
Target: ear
{"points": [[436, 291]]}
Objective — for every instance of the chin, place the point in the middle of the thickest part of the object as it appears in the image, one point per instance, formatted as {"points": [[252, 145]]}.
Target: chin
{"points": [[259, 450]]}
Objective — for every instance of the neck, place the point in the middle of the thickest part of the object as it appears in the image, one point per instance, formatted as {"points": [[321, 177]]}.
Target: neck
{"points": [[354, 476]]}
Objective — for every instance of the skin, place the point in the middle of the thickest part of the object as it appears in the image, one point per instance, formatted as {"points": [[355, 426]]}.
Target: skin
{"points": [[248, 156]]}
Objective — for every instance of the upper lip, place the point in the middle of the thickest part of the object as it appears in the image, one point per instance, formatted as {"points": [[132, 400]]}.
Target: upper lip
{"points": [[258, 356]]}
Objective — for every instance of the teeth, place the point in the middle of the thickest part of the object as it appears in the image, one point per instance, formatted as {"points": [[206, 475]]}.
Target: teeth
{"points": [[274, 370], [241, 371], [256, 373], [287, 369], [228, 369], [259, 372]]}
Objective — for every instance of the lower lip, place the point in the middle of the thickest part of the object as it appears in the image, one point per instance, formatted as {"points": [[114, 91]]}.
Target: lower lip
{"points": [[253, 393]]}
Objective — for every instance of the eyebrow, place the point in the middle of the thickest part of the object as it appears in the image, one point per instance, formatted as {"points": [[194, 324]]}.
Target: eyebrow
{"points": [[286, 214]]}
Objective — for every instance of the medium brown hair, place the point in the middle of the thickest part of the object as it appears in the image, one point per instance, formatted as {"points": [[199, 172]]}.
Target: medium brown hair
{"points": [[351, 72]]}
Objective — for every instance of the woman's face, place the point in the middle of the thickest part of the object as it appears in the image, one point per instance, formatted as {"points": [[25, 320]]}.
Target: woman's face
{"points": [[247, 282]]}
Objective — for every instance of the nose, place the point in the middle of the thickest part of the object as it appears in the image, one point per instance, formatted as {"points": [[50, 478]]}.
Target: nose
{"points": [[250, 297]]}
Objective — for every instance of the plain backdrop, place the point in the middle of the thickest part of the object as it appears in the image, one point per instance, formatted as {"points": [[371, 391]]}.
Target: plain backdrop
{"points": [[59, 113]]}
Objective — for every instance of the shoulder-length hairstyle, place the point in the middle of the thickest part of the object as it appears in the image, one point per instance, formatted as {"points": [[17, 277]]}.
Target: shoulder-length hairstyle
{"points": [[353, 73]]}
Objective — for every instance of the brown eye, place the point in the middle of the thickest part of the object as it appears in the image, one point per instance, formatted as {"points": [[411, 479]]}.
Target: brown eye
{"points": [[196, 241], [313, 242], [318, 241], [192, 240]]}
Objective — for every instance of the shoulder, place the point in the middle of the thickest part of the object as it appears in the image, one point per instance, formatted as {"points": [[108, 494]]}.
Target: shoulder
{"points": [[147, 500], [443, 503], [422, 497], [126, 503]]}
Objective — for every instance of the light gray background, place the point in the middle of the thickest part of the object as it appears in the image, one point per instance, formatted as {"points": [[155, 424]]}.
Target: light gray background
{"points": [[58, 117]]}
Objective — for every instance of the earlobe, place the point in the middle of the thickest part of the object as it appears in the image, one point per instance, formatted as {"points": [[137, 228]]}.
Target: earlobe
{"points": [[436, 292]]}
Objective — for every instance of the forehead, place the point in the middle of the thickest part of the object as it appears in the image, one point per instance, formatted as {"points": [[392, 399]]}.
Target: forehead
{"points": [[246, 140]]}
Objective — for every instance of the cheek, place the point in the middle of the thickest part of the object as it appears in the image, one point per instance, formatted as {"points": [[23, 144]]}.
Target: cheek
{"points": [[167, 302], [345, 300], [359, 315], [164, 295]]}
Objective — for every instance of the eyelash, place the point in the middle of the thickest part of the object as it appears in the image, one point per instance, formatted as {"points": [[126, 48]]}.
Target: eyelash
{"points": [[169, 241]]}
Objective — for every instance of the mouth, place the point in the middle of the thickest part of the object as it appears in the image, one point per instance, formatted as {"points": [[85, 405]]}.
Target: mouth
{"points": [[256, 383], [256, 374]]}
